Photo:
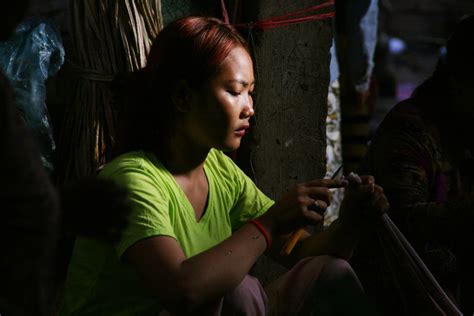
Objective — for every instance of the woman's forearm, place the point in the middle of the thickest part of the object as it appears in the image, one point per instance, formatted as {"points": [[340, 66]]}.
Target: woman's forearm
{"points": [[186, 284], [339, 240]]}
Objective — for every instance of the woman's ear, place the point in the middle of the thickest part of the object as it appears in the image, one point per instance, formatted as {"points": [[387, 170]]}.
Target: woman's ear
{"points": [[181, 96]]}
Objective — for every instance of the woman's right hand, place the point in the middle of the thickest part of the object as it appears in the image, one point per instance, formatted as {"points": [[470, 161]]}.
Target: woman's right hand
{"points": [[303, 205], [363, 201]]}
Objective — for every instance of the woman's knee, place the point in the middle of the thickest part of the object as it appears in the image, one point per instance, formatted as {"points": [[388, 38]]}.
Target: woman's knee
{"points": [[337, 283], [337, 269]]}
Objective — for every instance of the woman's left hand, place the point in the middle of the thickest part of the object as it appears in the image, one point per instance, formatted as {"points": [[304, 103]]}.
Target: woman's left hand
{"points": [[364, 201]]}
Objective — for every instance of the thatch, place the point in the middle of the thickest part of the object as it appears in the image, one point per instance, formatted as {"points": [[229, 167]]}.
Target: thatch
{"points": [[108, 37]]}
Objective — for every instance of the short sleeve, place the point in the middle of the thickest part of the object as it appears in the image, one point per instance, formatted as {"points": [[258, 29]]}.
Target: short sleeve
{"points": [[249, 201], [150, 206]]}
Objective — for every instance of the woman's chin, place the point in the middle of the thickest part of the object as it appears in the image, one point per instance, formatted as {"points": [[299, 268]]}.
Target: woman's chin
{"points": [[230, 146]]}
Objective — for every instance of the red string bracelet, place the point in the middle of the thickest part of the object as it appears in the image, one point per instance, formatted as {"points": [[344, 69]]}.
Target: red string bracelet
{"points": [[263, 231]]}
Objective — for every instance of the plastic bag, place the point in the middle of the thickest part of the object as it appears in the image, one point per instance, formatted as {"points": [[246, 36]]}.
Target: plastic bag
{"points": [[34, 53]]}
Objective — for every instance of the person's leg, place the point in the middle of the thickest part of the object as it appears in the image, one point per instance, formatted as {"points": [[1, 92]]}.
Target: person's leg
{"points": [[248, 298], [321, 285]]}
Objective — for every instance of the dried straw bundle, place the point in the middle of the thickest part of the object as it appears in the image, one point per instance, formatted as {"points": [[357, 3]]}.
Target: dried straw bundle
{"points": [[107, 37]]}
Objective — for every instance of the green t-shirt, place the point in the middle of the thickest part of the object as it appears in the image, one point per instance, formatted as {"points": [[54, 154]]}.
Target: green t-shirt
{"points": [[99, 283]]}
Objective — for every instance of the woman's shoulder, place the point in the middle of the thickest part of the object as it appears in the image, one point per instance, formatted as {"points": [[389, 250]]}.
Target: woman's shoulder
{"points": [[219, 160], [134, 161], [217, 157], [223, 167]]}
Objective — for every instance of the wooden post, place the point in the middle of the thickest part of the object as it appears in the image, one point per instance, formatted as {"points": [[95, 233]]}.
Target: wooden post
{"points": [[292, 73]]}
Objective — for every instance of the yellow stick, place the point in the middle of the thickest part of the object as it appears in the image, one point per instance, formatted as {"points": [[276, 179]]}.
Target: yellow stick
{"points": [[291, 242]]}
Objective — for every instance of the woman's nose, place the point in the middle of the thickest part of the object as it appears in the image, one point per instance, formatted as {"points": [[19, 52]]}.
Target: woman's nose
{"points": [[248, 112]]}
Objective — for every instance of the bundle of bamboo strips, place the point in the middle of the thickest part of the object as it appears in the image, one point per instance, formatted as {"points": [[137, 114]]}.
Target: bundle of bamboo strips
{"points": [[107, 37]]}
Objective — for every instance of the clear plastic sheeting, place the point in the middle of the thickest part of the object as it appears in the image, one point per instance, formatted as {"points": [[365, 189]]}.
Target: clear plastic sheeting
{"points": [[33, 54]]}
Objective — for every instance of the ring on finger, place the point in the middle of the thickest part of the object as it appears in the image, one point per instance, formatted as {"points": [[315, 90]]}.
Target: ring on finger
{"points": [[318, 206]]}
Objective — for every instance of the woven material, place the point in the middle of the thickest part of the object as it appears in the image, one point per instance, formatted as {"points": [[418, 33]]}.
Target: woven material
{"points": [[109, 37]]}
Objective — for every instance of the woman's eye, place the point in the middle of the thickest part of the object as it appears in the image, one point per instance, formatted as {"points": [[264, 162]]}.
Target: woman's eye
{"points": [[234, 93]]}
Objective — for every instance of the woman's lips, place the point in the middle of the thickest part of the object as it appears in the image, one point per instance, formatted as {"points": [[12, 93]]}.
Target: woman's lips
{"points": [[241, 131]]}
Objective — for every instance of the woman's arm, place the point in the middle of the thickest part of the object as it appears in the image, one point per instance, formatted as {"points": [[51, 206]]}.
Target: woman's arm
{"points": [[182, 284], [185, 284], [338, 240]]}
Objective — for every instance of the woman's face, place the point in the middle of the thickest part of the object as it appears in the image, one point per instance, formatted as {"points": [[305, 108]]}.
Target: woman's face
{"points": [[221, 109]]}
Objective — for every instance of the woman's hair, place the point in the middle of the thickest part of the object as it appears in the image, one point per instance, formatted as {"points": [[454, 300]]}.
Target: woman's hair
{"points": [[188, 50]]}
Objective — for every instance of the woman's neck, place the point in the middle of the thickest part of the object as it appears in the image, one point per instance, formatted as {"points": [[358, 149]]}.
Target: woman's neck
{"points": [[181, 156]]}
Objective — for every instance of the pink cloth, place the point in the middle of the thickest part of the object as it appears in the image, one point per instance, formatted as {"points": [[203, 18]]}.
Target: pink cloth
{"points": [[322, 285], [249, 298]]}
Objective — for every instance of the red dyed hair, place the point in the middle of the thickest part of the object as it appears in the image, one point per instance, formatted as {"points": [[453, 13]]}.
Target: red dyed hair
{"points": [[192, 48]]}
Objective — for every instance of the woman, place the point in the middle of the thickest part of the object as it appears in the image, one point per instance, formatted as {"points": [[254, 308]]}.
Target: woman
{"points": [[198, 223], [422, 156]]}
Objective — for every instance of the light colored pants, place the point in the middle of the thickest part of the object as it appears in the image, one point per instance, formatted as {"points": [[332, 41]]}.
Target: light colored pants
{"points": [[322, 285]]}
